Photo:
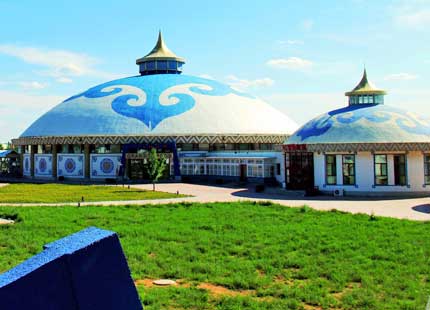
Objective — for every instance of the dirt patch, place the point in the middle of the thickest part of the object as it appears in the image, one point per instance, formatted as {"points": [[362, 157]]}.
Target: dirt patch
{"points": [[145, 282], [260, 273], [351, 286], [218, 290], [311, 307]]}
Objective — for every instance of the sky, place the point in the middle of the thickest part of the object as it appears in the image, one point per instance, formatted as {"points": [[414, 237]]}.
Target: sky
{"points": [[299, 56]]}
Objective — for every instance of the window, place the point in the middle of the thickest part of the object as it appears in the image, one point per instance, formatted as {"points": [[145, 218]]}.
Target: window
{"points": [[400, 169], [330, 169], [171, 65], [427, 169], [381, 170], [365, 100], [150, 65], [348, 169], [162, 65]]}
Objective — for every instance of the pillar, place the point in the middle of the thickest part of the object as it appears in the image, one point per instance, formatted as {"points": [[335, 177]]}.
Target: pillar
{"points": [[21, 159], [54, 160], [87, 159], [176, 163], [33, 150]]}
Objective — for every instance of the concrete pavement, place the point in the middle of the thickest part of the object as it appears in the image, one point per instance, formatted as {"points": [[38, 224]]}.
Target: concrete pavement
{"points": [[411, 208]]}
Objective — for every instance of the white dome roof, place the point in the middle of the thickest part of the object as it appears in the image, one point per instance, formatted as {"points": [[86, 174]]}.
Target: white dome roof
{"points": [[161, 104]]}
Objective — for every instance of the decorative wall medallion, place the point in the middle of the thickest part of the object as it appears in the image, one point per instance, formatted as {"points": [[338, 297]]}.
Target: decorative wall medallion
{"points": [[42, 165], [107, 165], [70, 165]]}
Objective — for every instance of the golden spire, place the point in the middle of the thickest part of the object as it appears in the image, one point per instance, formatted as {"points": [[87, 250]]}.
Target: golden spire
{"points": [[365, 88], [160, 52]]}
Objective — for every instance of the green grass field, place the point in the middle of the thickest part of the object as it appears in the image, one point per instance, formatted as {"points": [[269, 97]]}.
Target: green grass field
{"points": [[277, 257], [58, 193]]}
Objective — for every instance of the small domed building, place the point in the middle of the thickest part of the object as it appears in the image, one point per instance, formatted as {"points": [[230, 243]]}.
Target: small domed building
{"points": [[206, 129], [365, 148]]}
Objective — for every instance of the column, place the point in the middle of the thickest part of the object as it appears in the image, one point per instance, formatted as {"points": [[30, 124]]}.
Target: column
{"points": [[21, 159], [54, 160], [87, 160], [33, 150]]}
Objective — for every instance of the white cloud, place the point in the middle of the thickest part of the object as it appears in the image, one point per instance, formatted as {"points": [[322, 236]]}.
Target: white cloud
{"points": [[307, 24], [400, 77], [33, 85], [64, 80], [291, 63], [411, 14], [290, 42], [414, 19], [242, 84], [60, 64], [19, 110]]}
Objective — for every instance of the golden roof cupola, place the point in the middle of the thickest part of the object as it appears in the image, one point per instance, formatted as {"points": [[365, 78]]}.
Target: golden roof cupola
{"points": [[365, 93], [160, 60]]}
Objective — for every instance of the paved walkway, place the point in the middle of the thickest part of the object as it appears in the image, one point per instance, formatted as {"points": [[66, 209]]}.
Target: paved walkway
{"points": [[414, 208]]}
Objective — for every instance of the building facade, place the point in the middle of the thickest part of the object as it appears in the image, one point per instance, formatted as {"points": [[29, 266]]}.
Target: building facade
{"points": [[366, 148], [206, 129]]}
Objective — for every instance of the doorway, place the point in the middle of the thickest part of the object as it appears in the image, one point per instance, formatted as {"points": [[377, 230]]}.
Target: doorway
{"points": [[299, 170], [399, 169], [243, 173]]}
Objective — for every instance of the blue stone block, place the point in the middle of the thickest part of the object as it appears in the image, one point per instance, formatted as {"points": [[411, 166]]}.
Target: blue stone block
{"points": [[84, 271]]}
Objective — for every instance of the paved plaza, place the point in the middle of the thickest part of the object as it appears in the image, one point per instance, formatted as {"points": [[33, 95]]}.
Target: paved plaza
{"points": [[411, 208]]}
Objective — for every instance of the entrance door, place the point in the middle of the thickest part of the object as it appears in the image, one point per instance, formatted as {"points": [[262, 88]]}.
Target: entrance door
{"points": [[243, 172], [299, 170], [399, 169], [137, 169]]}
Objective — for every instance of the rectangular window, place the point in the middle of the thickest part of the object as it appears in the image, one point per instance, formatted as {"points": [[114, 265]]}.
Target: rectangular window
{"points": [[161, 65], [150, 65], [381, 170], [427, 169], [171, 65], [330, 169], [348, 169], [400, 169]]}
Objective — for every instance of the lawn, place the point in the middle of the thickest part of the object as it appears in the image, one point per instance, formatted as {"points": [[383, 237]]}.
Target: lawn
{"points": [[258, 255], [58, 193]]}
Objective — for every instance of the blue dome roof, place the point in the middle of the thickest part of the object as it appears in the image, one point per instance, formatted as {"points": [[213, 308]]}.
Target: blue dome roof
{"points": [[162, 104], [364, 123]]}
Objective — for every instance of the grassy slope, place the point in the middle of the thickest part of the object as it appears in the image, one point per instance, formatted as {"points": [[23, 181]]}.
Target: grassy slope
{"points": [[57, 193], [329, 259]]}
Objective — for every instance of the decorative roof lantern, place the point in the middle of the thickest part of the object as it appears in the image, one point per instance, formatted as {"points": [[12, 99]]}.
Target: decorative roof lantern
{"points": [[160, 60], [365, 93]]}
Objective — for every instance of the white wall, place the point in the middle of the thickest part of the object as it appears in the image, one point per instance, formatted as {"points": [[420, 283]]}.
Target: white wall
{"points": [[364, 173], [280, 159]]}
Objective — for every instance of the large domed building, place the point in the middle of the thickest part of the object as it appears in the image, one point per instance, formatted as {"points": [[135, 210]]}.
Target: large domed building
{"points": [[365, 148], [206, 128]]}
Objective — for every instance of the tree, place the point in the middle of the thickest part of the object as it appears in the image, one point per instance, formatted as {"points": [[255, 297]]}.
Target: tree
{"points": [[155, 166], [1, 147]]}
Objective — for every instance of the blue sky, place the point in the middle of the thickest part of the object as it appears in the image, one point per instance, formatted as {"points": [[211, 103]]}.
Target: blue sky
{"points": [[300, 56]]}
